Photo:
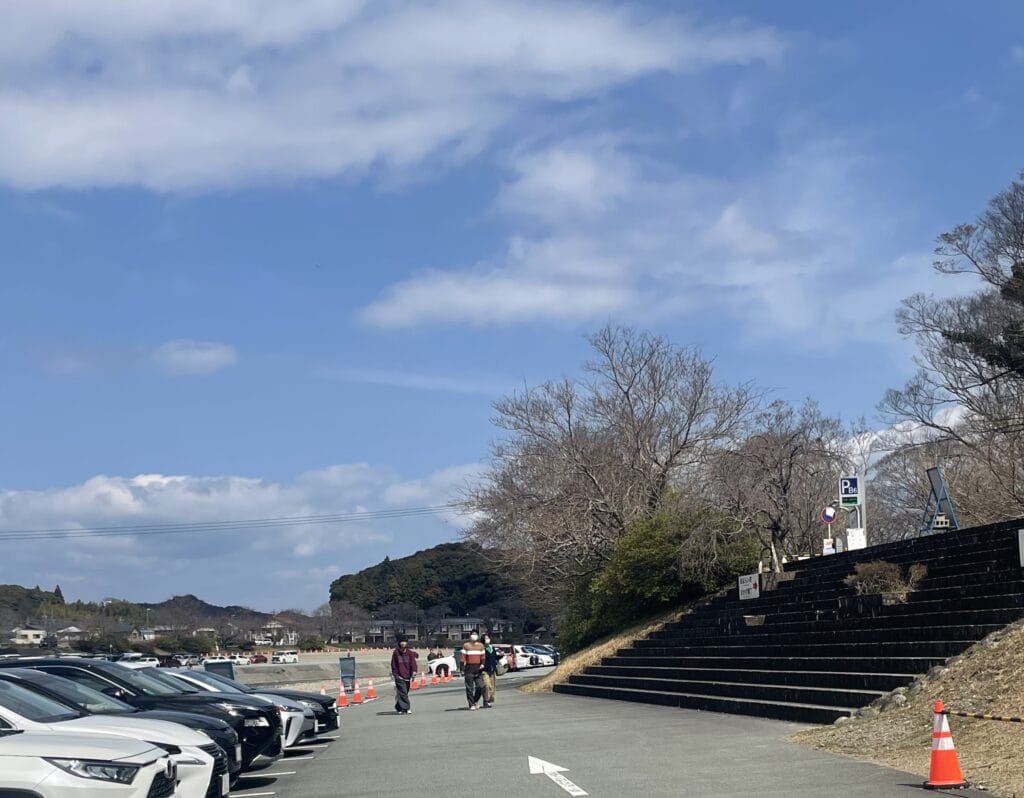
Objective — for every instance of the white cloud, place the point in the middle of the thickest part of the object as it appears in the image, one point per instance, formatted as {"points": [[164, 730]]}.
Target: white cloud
{"points": [[185, 95], [229, 566], [183, 357], [796, 250], [1017, 54]]}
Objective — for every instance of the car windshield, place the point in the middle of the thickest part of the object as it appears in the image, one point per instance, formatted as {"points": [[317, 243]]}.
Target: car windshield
{"points": [[222, 683], [33, 706], [78, 695], [168, 683], [144, 683]]}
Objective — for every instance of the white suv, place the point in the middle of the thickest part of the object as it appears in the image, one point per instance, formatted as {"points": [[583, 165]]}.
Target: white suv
{"points": [[285, 656], [54, 765], [25, 710]]}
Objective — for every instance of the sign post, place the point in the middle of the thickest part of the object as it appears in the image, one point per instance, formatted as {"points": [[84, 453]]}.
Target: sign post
{"points": [[749, 586]]}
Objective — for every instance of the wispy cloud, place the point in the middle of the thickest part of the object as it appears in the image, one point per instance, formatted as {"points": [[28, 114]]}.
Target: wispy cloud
{"points": [[393, 378], [1017, 54], [188, 96], [184, 357], [181, 357]]}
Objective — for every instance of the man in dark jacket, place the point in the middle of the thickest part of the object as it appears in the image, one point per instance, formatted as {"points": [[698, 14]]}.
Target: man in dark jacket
{"points": [[403, 669]]}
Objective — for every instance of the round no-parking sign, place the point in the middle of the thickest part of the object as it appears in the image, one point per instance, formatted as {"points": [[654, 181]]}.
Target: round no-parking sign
{"points": [[828, 515]]}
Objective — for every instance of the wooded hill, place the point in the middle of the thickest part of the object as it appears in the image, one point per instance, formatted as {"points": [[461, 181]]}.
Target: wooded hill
{"points": [[456, 576]]}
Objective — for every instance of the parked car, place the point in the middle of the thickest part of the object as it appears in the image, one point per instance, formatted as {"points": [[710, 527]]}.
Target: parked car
{"points": [[225, 748], [523, 658], [187, 659], [285, 657], [258, 659], [239, 659], [133, 660], [552, 651], [26, 710], [544, 658], [298, 719], [258, 727], [216, 660], [325, 711], [44, 764], [442, 666]]}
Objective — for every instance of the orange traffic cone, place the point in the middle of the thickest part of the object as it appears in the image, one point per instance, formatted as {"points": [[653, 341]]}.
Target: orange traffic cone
{"points": [[413, 683], [370, 692], [433, 678], [322, 690], [342, 702], [945, 767], [357, 697], [423, 679]]}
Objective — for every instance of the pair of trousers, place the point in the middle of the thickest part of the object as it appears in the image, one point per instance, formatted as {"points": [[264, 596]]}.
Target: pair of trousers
{"points": [[402, 695], [474, 687], [490, 687]]}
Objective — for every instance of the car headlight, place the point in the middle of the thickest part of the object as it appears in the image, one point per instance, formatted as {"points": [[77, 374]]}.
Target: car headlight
{"points": [[257, 722], [231, 709], [101, 771]]}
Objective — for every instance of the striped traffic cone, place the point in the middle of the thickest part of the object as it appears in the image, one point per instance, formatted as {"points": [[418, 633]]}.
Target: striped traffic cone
{"points": [[433, 678], [413, 683], [357, 697], [342, 702], [423, 679], [944, 772], [322, 690], [371, 694]]}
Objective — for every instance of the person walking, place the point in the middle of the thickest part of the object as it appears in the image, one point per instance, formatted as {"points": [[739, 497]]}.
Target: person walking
{"points": [[473, 668], [490, 671], [403, 669]]}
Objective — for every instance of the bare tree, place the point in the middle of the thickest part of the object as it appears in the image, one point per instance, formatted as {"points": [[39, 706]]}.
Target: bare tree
{"points": [[583, 458], [774, 484], [969, 387]]}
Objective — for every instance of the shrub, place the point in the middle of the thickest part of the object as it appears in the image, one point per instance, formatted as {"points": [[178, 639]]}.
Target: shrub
{"points": [[880, 576], [311, 643]]}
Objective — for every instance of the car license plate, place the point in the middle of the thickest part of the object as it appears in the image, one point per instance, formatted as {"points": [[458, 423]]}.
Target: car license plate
{"points": [[238, 753], [225, 784]]}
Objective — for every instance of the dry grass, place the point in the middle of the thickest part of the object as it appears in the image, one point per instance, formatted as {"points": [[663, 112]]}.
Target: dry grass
{"points": [[581, 660], [986, 678]]}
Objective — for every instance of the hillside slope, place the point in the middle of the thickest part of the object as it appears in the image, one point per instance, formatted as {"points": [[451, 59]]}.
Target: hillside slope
{"points": [[896, 730]]}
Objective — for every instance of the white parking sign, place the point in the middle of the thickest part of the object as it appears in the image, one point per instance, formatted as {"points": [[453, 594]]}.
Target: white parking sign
{"points": [[849, 491]]}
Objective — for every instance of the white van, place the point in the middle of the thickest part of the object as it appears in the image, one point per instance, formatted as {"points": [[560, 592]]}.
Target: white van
{"points": [[285, 656]]}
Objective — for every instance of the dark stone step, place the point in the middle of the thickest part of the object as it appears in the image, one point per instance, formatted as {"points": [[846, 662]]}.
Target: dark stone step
{"points": [[912, 664], [796, 713], [879, 634], [924, 648], [790, 694], [822, 678], [1004, 553]]}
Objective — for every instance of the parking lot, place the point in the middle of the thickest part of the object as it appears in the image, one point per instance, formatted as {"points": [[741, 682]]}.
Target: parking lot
{"points": [[575, 746]]}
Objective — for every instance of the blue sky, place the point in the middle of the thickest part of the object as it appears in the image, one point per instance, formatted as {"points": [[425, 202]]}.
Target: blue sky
{"points": [[279, 259]]}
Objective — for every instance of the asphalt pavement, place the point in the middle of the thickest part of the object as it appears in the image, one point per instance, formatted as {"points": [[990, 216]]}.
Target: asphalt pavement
{"points": [[573, 745]]}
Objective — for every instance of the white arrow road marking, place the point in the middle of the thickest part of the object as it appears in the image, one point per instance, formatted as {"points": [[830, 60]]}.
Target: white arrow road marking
{"points": [[554, 772]]}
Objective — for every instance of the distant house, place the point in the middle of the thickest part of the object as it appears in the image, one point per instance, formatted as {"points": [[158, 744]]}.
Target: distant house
{"points": [[353, 634], [69, 635], [383, 632], [462, 628], [138, 635], [28, 635], [280, 634]]}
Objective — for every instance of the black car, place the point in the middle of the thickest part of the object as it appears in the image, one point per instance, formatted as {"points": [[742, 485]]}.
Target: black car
{"points": [[324, 709], [92, 702], [258, 726]]}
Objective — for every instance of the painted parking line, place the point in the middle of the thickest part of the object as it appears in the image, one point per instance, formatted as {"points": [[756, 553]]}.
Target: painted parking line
{"points": [[299, 758], [264, 775], [249, 794]]}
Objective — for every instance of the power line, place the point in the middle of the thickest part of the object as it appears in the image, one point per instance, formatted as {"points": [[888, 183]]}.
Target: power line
{"points": [[224, 526]]}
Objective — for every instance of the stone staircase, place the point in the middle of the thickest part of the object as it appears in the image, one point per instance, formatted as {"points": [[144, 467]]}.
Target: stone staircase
{"points": [[811, 650]]}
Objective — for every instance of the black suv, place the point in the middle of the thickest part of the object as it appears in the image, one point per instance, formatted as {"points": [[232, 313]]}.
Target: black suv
{"points": [[92, 702], [257, 725]]}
